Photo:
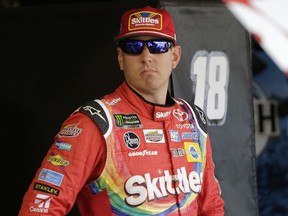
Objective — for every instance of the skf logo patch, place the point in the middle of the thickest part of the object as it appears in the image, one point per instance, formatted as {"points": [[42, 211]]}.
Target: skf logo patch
{"points": [[154, 136], [193, 152], [46, 188], [145, 19]]}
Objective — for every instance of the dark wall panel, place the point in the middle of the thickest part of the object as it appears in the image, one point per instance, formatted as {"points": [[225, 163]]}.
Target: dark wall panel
{"points": [[215, 73]]}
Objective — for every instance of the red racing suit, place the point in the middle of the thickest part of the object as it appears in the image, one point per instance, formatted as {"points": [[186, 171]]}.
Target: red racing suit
{"points": [[121, 155]]}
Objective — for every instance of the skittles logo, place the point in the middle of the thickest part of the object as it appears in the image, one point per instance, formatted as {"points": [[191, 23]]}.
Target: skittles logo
{"points": [[145, 19]]}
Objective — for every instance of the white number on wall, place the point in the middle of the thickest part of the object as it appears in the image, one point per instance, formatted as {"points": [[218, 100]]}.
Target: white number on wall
{"points": [[210, 76]]}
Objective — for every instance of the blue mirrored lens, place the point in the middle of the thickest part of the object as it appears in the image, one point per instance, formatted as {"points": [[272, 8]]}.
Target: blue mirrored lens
{"points": [[158, 46], [137, 46], [133, 47]]}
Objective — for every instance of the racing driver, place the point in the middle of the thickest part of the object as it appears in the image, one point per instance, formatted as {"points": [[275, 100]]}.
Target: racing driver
{"points": [[135, 151]]}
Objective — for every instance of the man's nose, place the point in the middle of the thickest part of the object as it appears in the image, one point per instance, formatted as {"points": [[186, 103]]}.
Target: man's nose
{"points": [[146, 55], [146, 51]]}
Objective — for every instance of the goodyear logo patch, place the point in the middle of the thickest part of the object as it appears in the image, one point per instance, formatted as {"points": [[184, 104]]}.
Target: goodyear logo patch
{"points": [[145, 19], [193, 152]]}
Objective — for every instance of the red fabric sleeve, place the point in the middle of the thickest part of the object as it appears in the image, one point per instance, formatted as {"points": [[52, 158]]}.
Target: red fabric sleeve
{"points": [[211, 202], [68, 164]]}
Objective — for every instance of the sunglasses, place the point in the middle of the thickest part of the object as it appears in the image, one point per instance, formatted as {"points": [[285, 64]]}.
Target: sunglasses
{"points": [[136, 47]]}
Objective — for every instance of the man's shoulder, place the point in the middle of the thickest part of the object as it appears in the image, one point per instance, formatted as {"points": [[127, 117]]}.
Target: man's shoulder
{"points": [[197, 112], [97, 111]]}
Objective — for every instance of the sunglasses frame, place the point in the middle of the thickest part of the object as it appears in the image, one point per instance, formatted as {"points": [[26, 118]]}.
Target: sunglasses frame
{"points": [[122, 45]]}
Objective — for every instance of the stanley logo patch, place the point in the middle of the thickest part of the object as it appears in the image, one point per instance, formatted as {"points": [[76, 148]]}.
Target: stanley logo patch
{"points": [[46, 188]]}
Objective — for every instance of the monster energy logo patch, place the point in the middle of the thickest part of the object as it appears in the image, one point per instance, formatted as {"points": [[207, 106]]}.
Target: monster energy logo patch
{"points": [[127, 121]]}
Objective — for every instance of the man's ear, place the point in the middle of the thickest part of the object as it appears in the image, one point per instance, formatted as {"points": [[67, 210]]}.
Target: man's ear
{"points": [[176, 55], [120, 58]]}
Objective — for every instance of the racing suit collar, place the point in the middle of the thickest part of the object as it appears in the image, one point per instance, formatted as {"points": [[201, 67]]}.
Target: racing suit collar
{"points": [[150, 110]]}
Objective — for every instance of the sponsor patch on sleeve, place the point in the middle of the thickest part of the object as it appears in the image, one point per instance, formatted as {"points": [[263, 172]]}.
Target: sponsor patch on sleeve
{"points": [[193, 152]]}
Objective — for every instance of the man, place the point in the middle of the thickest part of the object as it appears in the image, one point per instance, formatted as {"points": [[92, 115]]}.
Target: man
{"points": [[136, 151]]}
